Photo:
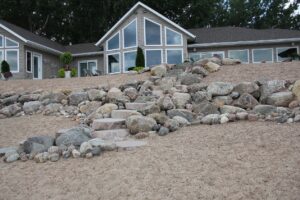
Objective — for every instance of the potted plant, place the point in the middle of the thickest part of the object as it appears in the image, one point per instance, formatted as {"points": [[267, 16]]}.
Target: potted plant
{"points": [[5, 70], [66, 58]]}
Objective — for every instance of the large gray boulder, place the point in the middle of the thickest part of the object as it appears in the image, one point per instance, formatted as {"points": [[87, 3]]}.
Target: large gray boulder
{"points": [[196, 87], [200, 70], [11, 110], [201, 96], [226, 109], [264, 109], [159, 70], [269, 87], [166, 103], [29, 97], [38, 144], [76, 98], [219, 88], [9, 100], [137, 124], [52, 109], [205, 108], [181, 113], [181, 99], [246, 101], [211, 119], [131, 93], [74, 136], [96, 95], [31, 107], [53, 97], [280, 98], [106, 109], [211, 67], [189, 78], [246, 87]]}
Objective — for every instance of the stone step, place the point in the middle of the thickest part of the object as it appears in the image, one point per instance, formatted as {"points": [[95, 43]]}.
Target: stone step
{"points": [[130, 144], [136, 106], [114, 135], [123, 114], [108, 124]]}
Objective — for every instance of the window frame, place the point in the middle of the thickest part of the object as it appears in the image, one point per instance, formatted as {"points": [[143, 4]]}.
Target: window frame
{"points": [[212, 52], [161, 55], [160, 31], [136, 35], [166, 41], [111, 38], [248, 53], [166, 54], [31, 61], [120, 62], [85, 61], [262, 49], [123, 63], [7, 38], [18, 59], [3, 45], [276, 50]]}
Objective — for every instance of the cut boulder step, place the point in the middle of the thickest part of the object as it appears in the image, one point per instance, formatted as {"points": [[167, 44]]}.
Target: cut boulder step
{"points": [[114, 135], [130, 144], [108, 124], [123, 114], [136, 106]]}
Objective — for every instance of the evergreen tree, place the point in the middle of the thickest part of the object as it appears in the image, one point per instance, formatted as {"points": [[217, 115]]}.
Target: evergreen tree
{"points": [[140, 59]]}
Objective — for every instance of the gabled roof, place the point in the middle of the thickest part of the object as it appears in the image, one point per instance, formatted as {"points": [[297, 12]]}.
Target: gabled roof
{"points": [[31, 38], [84, 49], [238, 35], [150, 10]]}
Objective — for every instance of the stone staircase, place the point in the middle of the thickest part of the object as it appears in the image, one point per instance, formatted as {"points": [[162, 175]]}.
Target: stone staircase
{"points": [[113, 131]]}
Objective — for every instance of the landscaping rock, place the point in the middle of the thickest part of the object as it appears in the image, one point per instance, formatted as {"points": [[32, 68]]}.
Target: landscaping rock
{"points": [[9, 100], [53, 97], [149, 109], [137, 124], [230, 61], [106, 109], [53, 149], [264, 109], [52, 108], [172, 125], [280, 99], [269, 87], [181, 99], [166, 103], [31, 107], [211, 119], [189, 79], [131, 93], [96, 95], [38, 144], [182, 113], [135, 106], [75, 153], [211, 67], [74, 136], [224, 119], [108, 124], [163, 131], [29, 97], [53, 157], [11, 110], [167, 83], [246, 87], [205, 108], [12, 157], [181, 121], [96, 151], [242, 116], [246, 101], [219, 88], [159, 70], [41, 157], [76, 98], [296, 89], [226, 109], [196, 87], [200, 70], [85, 148], [123, 114], [201, 96], [160, 118], [114, 134], [223, 100]]}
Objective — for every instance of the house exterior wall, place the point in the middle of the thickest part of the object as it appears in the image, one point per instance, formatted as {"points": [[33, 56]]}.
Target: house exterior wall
{"points": [[246, 47], [139, 14], [98, 58]]}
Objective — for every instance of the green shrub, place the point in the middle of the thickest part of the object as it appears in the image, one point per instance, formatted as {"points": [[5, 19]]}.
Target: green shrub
{"points": [[138, 69], [66, 58], [61, 73], [5, 67], [140, 59], [73, 72]]}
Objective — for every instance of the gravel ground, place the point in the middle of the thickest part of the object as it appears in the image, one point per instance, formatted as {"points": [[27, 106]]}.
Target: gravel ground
{"points": [[237, 73], [244, 160]]}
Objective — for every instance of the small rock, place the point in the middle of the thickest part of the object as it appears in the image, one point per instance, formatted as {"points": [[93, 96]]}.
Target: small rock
{"points": [[211, 67], [142, 135], [12, 157], [85, 148], [53, 149], [96, 151], [163, 131], [224, 120], [137, 124], [172, 125], [242, 116], [53, 157], [75, 153], [89, 155], [41, 157], [182, 121], [211, 119], [66, 154]]}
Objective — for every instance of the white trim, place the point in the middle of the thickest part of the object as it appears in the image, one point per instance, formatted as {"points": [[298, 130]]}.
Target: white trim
{"points": [[182, 56], [87, 54], [85, 61], [13, 33], [123, 63], [248, 54], [120, 63], [31, 61], [43, 47], [2, 41], [111, 38], [160, 31], [283, 48], [161, 55], [172, 45], [244, 42], [262, 49], [18, 58], [136, 34], [40, 56], [152, 11], [13, 41]]}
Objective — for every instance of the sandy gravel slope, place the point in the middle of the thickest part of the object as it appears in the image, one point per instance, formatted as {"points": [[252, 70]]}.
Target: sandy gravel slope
{"points": [[244, 160]]}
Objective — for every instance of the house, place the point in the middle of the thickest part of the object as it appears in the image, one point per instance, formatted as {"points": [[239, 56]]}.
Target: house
{"points": [[34, 57]]}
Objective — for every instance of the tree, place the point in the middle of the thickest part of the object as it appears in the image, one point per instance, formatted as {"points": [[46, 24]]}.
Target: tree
{"points": [[66, 58], [140, 59], [5, 70]]}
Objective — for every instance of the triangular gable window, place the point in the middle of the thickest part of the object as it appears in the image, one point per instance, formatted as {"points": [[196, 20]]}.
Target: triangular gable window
{"points": [[11, 43]]}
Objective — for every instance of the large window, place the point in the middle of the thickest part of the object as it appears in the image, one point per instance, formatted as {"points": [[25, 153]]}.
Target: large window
{"points": [[129, 60], [174, 56], [204, 55], [28, 61], [242, 55], [12, 57], [173, 38], [87, 68], [153, 57], [1, 41], [9, 43], [194, 56], [113, 63], [130, 35], [1, 56], [152, 33], [283, 53], [262, 55], [114, 42]]}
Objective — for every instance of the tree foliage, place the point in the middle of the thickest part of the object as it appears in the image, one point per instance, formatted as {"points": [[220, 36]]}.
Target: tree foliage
{"points": [[79, 21], [140, 58]]}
